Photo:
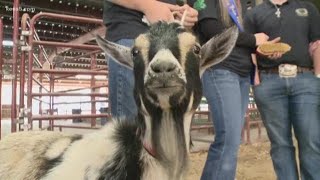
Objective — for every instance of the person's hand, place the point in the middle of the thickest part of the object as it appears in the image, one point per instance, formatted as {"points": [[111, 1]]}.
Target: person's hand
{"points": [[189, 19], [313, 46], [271, 54], [275, 55], [275, 40], [158, 11], [261, 38]]}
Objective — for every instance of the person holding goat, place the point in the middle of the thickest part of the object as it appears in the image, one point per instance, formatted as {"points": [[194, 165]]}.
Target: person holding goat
{"points": [[125, 20]]}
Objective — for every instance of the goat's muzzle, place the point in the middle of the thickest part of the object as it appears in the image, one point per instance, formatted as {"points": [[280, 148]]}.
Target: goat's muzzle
{"points": [[164, 78]]}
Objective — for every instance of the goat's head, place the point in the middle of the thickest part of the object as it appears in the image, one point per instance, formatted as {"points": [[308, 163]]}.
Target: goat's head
{"points": [[168, 62]]}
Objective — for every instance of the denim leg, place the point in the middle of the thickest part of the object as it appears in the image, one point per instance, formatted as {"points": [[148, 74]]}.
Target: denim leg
{"points": [[223, 91], [305, 115], [121, 84], [272, 100], [244, 91]]}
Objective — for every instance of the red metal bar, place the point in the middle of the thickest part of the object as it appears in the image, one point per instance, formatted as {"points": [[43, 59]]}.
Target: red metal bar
{"points": [[61, 44], [68, 94], [63, 117], [24, 20], [84, 55], [37, 61], [93, 90], [30, 72], [82, 102], [15, 39], [51, 108], [40, 83], [70, 72], [1, 62], [74, 127], [103, 68], [40, 100], [66, 76], [50, 104], [41, 56], [31, 43], [78, 89], [81, 40], [66, 17]]}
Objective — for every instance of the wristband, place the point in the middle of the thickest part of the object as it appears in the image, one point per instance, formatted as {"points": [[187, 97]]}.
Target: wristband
{"points": [[317, 75]]}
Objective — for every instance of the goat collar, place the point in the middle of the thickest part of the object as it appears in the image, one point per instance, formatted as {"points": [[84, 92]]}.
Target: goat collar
{"points": [[149, 149], [147, 146]]}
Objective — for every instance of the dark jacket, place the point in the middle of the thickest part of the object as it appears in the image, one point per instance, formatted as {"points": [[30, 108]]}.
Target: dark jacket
{"points": [[210, 24]]}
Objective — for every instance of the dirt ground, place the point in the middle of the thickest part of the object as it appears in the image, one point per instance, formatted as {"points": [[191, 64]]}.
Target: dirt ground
{"points": [[254, 163]]}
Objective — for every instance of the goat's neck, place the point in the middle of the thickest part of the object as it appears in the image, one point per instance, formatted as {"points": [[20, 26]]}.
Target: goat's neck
{"points": [[171, 125], [166, 130], [169, 143], [171, 135]]}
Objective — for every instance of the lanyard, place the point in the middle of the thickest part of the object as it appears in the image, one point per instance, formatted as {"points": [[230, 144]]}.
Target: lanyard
{"points": [[233, 12]]}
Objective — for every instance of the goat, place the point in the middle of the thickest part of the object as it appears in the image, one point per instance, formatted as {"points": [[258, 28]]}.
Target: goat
{"points": [[167, 62]]}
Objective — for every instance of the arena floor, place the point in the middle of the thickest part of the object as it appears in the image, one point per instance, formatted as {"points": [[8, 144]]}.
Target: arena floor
{"points": [[254, 163]]}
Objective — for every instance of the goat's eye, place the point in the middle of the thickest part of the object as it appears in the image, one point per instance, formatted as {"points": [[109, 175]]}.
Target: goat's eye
{"points": [[135, 52], [196, 49]]}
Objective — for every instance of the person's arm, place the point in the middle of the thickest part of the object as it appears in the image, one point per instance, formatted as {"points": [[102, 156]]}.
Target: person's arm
{"points": [[153, 10], [316, 62], [315, 54], [314, 36], [139, 5], [256, 80], [314, 25], [210, 27], [188, 15]]}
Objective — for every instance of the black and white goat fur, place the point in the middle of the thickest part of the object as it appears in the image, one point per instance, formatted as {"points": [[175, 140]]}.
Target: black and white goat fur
{"points": [[167, 62]]}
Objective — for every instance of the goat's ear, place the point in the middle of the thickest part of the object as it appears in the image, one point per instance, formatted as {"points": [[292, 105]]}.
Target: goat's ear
{"points": [[218, 48], [120, 54]]}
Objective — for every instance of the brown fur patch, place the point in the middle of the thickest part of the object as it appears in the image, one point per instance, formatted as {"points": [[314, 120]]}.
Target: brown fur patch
{"points": [[186, 42], [142, 43]]}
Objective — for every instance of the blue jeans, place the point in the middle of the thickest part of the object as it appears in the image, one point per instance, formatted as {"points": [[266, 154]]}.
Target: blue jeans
{"points": [[121, 84], [287, 103], [227, 94]]}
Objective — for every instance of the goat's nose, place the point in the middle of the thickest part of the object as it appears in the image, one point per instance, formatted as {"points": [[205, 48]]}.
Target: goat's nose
{"points": [[163, 67]]}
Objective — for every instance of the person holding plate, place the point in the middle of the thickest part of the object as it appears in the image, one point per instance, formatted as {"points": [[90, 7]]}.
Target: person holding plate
{"points": [[288, 96]]}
